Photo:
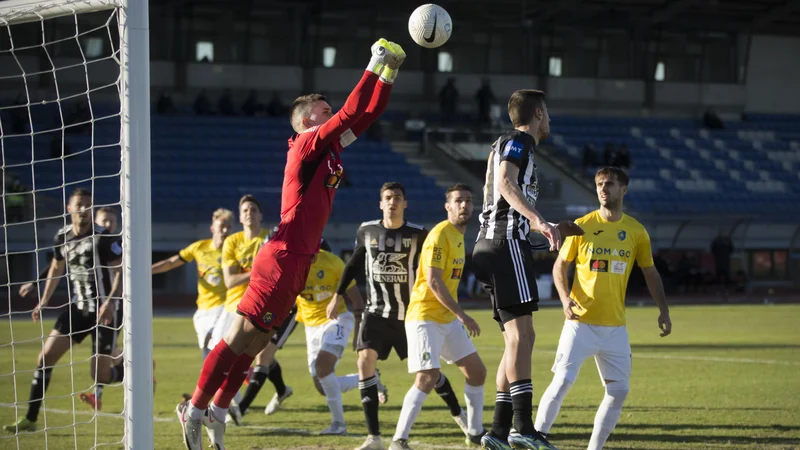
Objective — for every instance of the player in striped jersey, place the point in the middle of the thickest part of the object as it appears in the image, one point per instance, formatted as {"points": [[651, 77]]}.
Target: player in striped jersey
{"points": [[503, 263], [91, 258], [210, 285], [387, 251]]}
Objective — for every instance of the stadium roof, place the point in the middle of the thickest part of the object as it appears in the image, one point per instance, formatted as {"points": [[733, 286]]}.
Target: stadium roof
{"points": [[730, 16]]}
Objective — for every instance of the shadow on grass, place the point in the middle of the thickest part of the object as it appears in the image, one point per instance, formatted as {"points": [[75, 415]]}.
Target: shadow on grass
{"points": [[712, 347]]}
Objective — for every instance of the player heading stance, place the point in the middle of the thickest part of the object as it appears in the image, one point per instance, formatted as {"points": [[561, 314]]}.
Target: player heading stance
{"points": [[210, 284], [326, 338], [503, 263], [437, 327], [313, 173], [595, 308], [90, 257]]}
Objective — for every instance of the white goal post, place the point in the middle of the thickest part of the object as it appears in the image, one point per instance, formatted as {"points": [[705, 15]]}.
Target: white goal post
{"points": [[134, 98]]}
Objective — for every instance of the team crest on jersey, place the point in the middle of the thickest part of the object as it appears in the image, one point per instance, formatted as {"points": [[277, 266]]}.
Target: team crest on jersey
{"points": [[621, 235], [389, 242], [406, 242], [321, 274], [267, 317]]}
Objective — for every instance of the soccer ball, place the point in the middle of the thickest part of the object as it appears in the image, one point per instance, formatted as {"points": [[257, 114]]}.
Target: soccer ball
{"points": [[430, 26]]}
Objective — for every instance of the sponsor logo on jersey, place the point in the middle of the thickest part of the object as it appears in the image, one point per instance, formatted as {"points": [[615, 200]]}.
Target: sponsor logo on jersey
{"points": [[373, 243], [619, 267], [598, 265], [513, 149], [389, 268], [605, 251], [406, 242], [456, 274]]}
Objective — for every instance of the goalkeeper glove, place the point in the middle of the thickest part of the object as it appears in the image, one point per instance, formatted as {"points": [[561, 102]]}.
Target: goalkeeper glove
{"points": [[384, 54], [389, 72]]}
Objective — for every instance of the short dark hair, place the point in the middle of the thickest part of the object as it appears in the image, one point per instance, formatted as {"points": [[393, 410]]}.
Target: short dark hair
{"points": [[105, 210], [80, 192], [251, 199], [456, 187], [522, 105], [618, 174], [301, 107], [392, 185]]}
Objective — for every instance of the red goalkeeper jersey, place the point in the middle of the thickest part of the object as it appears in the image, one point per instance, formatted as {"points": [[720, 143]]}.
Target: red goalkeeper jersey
{"points": [[314, 167]]}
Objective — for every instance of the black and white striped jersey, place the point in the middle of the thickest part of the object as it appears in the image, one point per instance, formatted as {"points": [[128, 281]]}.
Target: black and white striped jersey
{"points": [[88, 259], [389, 259], [498, 219]]}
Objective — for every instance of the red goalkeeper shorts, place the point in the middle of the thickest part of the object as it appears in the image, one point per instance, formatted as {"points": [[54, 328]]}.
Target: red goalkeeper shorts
{"points": [[277, 278]]}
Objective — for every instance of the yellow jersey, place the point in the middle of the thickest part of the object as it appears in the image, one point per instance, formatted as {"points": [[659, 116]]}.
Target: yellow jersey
{"points": [[323, 279], [604, 258], [240, 252], [444, 249], [210, 285]]}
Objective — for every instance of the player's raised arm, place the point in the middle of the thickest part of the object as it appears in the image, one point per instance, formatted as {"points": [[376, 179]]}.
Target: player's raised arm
{"points": [[383, 55], [380, 96]]}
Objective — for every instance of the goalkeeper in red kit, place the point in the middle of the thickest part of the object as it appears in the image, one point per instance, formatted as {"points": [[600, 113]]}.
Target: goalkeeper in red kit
{"points": [[312, 175]]}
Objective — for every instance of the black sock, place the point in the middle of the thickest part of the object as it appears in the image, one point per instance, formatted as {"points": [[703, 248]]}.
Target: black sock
{"points": [[369, 400], [503, 414], [41, 379], [276, 378], [445, 391], [522, 401], [260, 374], [117, 373]]}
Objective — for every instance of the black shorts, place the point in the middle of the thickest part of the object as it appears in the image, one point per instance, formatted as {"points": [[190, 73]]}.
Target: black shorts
{"points": [[505, 270], [381, 334], [286, 330], [77, 324]]}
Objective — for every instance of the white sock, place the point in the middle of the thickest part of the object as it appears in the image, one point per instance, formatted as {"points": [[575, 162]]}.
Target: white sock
{"points": [[237, 398], [206, 351], [608, 413], [333, 395], [473, 396], [98, 392], [217, 412], [551, 401], [348, 382], [412, 405], [194, 413]]}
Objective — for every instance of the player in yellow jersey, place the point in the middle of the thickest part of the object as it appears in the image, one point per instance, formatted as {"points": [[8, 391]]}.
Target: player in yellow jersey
{"points": [[210, 286], [595, 308], [327, 337], [436, 326]]}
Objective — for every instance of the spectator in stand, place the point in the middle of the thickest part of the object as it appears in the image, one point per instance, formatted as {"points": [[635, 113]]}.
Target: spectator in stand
{"points": [[448, 100], [275, 107], [608, 154], [622, 158], [712, 121], [202, 106], [485, 98], [165, 105], [251, 107], [225, 104], [589, 157], [722, 248]]}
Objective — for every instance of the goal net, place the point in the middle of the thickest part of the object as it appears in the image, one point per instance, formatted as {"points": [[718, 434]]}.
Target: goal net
{"points": [[75, 308]]}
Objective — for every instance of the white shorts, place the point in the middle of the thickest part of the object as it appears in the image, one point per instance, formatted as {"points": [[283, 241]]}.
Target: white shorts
{"points": [[221, 327], [429, 341], [204, 320], [332, 337], [610, 347]]}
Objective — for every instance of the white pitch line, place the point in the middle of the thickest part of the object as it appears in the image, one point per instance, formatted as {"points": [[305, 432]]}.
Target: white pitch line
{"points": [[253, 427], [636, 355]]}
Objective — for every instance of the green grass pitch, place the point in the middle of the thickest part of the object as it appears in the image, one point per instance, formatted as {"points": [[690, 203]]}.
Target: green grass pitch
{"points": [[727, 378]]}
